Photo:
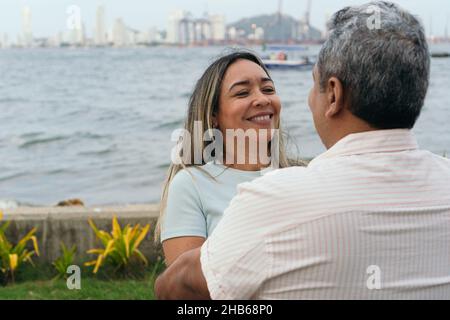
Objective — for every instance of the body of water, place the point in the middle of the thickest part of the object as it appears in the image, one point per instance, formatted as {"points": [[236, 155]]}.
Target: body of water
{"points": [[95, 124]]}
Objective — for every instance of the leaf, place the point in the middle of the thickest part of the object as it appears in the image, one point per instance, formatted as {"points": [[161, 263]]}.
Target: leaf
{"points": [[4, 227], [109, 248], [13, 262], [22, 243], [90, 263], [98, 264], [141, 256], [142, 236], [96, 251], [116, 232], [35, 244], [127, 243], [99, 234]]}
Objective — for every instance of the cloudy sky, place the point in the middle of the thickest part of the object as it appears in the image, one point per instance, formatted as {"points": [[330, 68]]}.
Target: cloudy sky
{"points": [[49, 16]]}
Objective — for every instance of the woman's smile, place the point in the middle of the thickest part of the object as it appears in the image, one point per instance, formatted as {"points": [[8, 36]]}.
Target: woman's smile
{"points": [[262, 119]]}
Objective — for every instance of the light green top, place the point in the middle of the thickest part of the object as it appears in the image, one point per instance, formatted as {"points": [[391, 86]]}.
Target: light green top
{"points": [[196, 201]]}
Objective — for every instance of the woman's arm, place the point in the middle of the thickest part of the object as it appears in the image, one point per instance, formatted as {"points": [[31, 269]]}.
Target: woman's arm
{"points": [[184, 225], [173, 248]]}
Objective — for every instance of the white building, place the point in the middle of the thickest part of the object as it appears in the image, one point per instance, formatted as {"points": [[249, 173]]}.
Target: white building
{"points": [[173, 29], [27, 32], [232, 34], [123, 36], [100, 29], [4, 41], [218, 27], [202, 31], [77, 36], [184, 29], [120, 37], [259, 33]]}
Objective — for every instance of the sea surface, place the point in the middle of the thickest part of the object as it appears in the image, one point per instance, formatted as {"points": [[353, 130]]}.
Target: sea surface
{"points": [[96, 124]]}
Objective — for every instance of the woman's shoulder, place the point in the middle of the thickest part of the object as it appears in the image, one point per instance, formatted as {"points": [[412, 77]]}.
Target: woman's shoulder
{"points": [[189, 176]]}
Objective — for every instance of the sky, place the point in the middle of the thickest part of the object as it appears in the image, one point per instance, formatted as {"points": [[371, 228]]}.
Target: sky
{"points": [[50, 16]]}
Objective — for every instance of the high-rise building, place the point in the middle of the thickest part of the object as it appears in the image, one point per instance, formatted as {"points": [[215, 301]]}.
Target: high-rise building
{"points": [[100, 29], [119, 34], [232, 34], [81, 35], [218, 27], [77, 36], [202, 31], [184, 29], [27, 32], [173, 27]]}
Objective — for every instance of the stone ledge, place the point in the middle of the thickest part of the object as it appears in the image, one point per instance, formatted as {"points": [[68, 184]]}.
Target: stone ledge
{"points": [[70, 225]]}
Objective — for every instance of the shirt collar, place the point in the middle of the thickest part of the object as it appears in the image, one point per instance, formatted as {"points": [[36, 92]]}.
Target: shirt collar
{"points": [[378, 141]]}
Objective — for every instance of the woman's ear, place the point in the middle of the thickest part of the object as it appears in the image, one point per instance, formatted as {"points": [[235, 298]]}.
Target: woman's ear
{"points": [[215, 122], [335, 96]]}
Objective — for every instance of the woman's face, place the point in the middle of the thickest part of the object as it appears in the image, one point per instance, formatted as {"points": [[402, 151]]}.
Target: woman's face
{"points": [[248, 99]]}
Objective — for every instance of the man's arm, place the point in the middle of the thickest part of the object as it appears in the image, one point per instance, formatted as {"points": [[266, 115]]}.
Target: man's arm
{"points": [[183, 280]]}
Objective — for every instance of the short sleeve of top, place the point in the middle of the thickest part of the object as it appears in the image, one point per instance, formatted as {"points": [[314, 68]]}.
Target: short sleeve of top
{"points": [[184, 216]]}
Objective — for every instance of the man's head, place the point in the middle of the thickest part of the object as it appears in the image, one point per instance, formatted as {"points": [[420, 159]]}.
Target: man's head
{"points": [[372, 72]]}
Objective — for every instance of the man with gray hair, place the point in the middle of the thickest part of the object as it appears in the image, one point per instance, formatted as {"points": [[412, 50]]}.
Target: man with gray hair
{"points": [[369, 218]]}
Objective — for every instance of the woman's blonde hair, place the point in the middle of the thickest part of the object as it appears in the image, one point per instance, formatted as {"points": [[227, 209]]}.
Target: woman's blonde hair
{"points": [[203, 106]]}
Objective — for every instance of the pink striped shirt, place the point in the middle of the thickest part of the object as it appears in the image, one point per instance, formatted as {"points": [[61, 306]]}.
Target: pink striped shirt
{"points": [[368, 219]]}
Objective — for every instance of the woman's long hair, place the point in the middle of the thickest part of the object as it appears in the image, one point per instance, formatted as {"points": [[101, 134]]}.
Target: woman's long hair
{"points": [[203, 106]]}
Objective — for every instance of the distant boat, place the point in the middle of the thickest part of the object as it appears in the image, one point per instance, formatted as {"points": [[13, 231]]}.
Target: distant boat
{"points": [[440, 55], [286, 57], [287, 65]]}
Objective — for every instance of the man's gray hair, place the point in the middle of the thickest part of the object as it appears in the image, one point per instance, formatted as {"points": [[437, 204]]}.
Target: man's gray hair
{"points": [[380, 54]]}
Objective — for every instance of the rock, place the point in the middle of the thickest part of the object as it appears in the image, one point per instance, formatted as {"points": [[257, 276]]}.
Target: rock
{"points": [[70, 203]]}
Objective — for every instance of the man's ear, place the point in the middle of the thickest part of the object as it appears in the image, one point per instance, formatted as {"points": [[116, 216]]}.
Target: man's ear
{"points": [[335, 96]]}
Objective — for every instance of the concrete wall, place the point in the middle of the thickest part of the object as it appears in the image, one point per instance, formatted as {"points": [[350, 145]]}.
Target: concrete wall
{"points": [[70, 225]]}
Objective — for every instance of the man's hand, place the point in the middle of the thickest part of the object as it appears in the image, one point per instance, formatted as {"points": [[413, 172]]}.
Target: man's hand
{"points": [[183, 280]]}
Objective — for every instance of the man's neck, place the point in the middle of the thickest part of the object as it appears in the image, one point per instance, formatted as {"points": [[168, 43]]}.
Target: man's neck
{"points": [[343, 129]]}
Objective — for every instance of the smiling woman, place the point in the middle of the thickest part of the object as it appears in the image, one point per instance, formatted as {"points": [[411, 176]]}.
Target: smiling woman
{"points": [[235, 94]]}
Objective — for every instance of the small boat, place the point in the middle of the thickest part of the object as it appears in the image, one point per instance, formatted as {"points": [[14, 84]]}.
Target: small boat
{"points": [[440, 55], [289, 64], [286, 57]]}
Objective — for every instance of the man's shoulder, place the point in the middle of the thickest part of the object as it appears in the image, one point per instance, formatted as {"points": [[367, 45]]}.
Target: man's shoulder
{"points": [[280, 174], [278, 179]]}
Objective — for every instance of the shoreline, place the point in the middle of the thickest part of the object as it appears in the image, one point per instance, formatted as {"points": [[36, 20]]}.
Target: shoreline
{"points": [[10, 204]]}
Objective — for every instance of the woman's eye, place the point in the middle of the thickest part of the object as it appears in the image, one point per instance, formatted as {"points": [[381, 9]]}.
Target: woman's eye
{"points": [[269, 90], [242, 94]]}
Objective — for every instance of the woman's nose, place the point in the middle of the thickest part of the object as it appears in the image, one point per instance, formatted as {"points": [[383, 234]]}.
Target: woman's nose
{"points": [[262, 100]]}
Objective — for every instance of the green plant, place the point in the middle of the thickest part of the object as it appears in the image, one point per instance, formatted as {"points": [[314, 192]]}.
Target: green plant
{"points": [[120, 247], [64, 261], [12, 257]]}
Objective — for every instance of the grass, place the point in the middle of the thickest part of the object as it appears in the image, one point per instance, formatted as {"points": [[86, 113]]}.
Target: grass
{"points": [[91, 289], [35, 284]]}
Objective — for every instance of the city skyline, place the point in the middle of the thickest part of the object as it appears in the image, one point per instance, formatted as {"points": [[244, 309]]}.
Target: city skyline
{"points": [[49, 17]]}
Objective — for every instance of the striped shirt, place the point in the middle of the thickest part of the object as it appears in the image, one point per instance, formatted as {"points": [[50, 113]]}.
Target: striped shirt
{"points": [[368, 219]]}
